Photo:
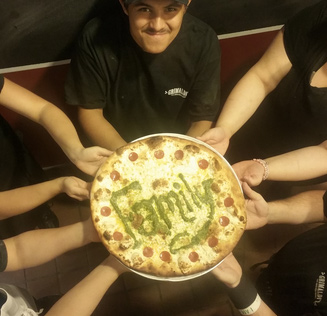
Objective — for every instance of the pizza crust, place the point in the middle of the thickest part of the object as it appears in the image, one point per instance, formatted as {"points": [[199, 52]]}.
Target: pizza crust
{"points": [[167, 206]]}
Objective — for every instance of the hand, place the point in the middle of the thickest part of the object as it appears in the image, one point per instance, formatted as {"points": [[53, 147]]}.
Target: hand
{"points": [[229, 271], [217, 138], [249, 171], [90, 159], [76, 188], [257, 208]]}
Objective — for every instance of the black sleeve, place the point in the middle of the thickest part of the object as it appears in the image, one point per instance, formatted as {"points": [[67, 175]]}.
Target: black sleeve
{"points": [[3, 256], [85, 84], [204, 97], [325, 203], [2, 81]]}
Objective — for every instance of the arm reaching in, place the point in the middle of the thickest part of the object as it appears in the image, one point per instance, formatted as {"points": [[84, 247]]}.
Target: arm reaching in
{"points": [[36, 247], [249, 92], [302, 164], [305, 207], [99, 130], [21, 200], [84, 297], [56, 122], [230, 273], [197, 128]]}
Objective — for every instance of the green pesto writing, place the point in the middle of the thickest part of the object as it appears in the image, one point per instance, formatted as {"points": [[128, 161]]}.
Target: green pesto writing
{"points": [[156, 212]]}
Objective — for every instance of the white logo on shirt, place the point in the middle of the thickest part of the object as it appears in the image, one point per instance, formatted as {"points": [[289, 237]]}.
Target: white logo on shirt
{"points": [[319, 290], [177, 92]]}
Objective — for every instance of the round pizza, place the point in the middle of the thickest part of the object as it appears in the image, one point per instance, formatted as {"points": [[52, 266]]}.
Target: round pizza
{"points": [[168, 206]]}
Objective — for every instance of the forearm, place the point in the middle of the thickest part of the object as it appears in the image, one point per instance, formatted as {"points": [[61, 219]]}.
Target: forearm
{"points": [[306, 207], [258, 82], [99, 130], [20, 200], [242, 102], [244, 296], [302, 164], [35, 108], [61, 130], [36, 247], [198, 128], [246, 299], [83, 298]]}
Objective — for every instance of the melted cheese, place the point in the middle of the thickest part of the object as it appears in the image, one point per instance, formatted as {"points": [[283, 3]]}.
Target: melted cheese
{"points": [[168, 205]]}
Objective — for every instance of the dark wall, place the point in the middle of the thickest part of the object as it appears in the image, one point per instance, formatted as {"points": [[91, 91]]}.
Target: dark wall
{"points": [[228, 16], [38, 31]]}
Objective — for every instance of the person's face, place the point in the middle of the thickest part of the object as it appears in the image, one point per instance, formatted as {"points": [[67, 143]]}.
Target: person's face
{"points": [[154, 24]]}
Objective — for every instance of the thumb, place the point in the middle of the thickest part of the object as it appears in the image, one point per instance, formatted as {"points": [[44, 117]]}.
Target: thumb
{"points": [[251, 194]]}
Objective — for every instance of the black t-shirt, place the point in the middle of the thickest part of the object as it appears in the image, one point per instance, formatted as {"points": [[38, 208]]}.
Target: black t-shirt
{"points": [[2, 81], [3, 256], [295, 281], [143, 93]]}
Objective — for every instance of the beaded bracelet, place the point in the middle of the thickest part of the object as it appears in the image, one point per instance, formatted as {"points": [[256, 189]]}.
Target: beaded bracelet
{"points": [[264, 164]]}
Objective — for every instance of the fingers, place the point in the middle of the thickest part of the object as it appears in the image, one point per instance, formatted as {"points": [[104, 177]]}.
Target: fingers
{"points": [[252, 195], [77, 188], [89, 186], [96, 152], [103, 151], [80, 194]]}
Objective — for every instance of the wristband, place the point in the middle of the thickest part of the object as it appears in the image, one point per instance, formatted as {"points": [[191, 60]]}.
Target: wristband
{"points": [[264, 164], [243, 295], [252, 308]]}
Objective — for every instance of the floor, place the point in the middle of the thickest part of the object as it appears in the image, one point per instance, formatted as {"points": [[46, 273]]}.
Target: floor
{"points": [[134, 295]]}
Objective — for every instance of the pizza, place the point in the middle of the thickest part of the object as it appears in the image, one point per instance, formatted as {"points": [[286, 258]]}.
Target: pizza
{"points": [[168, 206]]}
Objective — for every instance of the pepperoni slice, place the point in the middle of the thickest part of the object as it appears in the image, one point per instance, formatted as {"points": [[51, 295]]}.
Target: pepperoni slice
{"points": [[115, 175], [193, 256], [105, 211], [133, 156], [179, 154], [229, 202], [212, 242], [224, 221], [148, 252], [117, 236], [165, 256], [203, 164], [159, 154]]}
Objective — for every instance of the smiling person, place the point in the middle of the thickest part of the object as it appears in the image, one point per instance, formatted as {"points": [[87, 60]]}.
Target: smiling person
{"points": [[150, 68]]}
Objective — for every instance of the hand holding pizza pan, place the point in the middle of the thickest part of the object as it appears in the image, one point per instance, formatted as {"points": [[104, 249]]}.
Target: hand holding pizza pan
{"points": [[168, 206]]}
